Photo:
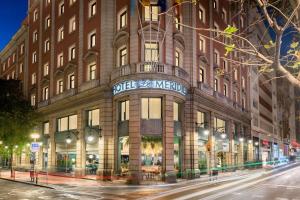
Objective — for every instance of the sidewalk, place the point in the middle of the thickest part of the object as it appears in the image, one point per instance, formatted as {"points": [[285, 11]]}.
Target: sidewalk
{"points": [[57, 181]]}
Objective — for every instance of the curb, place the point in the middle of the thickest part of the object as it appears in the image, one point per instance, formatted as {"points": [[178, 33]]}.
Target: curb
{"points": [[27, 183]]}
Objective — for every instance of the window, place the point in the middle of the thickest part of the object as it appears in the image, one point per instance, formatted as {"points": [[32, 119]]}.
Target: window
{"points": [[34, 57], [92, 40], [201, 14], [61, 8], [47, 45], [13, 75], [46, 69], [235, 74], [45, 95], [92, 71], [32, 99], [123, 56], [225, 66], [60, 34], [14, 57], [176, 111], [202, 44], [93, 117], [59, 86], [33, 78], [243, 103], [151, 13], [178, 58], [72, 53], [72, 24], [35, 15], [235, 96], [225, 92], [8, 77], [216, 58], [35, 36], [201, 119], [72, 2], [67, 123], [151, 52], [47, 2], [216, 85], [177, 21], [215, 4], [46, 128], [201, 75], [92, 8], [47, 22], [21, 68], [60, 60], [123, 19], [124, 110], [243, 83], [151, 108], [216, 29], [22, 49], [242, 22], [8, 62], [71, 81], [224, 15]]}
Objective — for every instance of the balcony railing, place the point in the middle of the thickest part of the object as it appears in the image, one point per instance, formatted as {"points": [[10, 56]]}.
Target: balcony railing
{"points": [[43, 103], [68, 93], [149, 67], [88, 85]]}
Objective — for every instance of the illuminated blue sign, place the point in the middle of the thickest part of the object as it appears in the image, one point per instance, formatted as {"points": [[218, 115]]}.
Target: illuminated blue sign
{"points": [[149, 84]]}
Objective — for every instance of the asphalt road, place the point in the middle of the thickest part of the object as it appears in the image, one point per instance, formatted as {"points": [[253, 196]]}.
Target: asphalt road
{"points": [[283, 185]]}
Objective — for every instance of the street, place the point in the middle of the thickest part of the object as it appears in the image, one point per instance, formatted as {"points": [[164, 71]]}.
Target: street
{"points": [[280, 185]]}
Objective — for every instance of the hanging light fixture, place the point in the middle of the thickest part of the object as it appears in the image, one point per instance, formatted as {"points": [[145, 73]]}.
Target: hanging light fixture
{"points": [[68, 139]]}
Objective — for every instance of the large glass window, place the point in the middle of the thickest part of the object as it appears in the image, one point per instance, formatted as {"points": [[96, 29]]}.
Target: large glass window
{"points": [[151, 52], [151, 13], [124, 154], [151, 108], [67, 123], [175, 111], [46, 128], [124, 113], [123, 56], [151, 154], [93, 117]]}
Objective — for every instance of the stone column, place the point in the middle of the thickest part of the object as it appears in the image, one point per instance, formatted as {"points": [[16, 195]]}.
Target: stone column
{"points": [[212, 160], [51, 146], [250, 152], [134, 140], [106, 142], [168, 140], [80, 146]]}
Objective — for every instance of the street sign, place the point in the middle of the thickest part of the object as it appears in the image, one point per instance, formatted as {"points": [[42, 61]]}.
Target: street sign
{"points": [[35, 147]]}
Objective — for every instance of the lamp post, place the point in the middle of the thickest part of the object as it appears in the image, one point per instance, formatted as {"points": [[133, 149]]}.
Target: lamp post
{"points": [[34, 136]]}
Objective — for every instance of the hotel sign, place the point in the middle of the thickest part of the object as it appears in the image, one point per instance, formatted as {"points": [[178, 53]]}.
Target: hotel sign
{"points": [[149, 84]]}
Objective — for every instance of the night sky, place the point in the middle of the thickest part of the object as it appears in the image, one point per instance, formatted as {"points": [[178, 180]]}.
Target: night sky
{"points": [[12, 14]]}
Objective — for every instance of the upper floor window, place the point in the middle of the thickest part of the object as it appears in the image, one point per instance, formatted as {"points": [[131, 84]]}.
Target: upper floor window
{"points": [[225, 66], [243, 103], [60, 34], [216, 58], [47, 45], [72, 53], [224, 15], [60, 60], [92, 39], [122, 56], [93, 117], [47, 2], [243, 82], [21, 66], [215, 4], [216, 85], [35, 36], [92, 8], [14, 57], [72, 24], [151, 13], [151, 52], [47, 22], [13, 74], [22, 49], [201, 14], [35, 15], [201, 75], [235, 74], [61, 8], [151, 108], [45, 95], [124, 110], [178, 58], [225, 88], [202, 44], [92, 71], [59, 86], [177, 23], [71, 81], [235, 96], [72, 2], [32, 100], [67, 123], [216, 30], [122, 19], [33, 78], [46, 69], [34, 57]]}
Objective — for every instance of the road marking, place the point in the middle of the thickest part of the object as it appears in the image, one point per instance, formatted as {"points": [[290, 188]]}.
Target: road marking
{"points": [[258, 196], [220, 194], [286, 186]]}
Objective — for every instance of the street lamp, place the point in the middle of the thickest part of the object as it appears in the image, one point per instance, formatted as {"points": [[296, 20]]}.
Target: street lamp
{"points": [[241, 139], [256, 143], [90, 138], [206, 132], [249, 141], [223, 135]]}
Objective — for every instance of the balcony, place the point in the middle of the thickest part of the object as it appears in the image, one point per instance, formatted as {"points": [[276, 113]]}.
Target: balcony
{"points": [[88, 85], [68, 93], [149, 68], [43, 103], [205, 88]]}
